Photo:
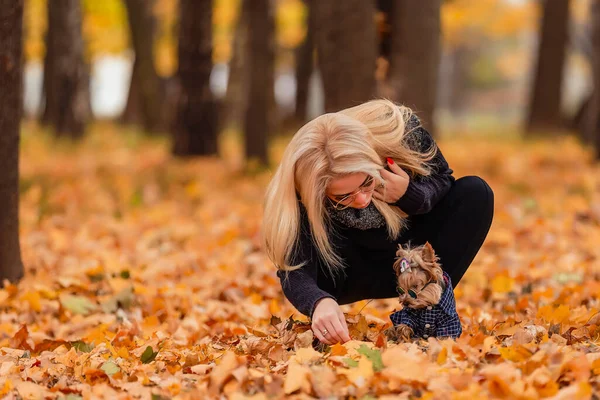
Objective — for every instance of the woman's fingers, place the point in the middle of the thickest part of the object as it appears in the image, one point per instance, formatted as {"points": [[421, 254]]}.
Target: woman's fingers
{"points": [[318, 332], [398, 170], [345, 334], [334, 330], [337, 331], [392, 176], [320, 336]]}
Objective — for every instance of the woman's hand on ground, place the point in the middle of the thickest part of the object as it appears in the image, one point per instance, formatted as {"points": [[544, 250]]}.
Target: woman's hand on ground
{"points": [[328, 316], [396, 183]]}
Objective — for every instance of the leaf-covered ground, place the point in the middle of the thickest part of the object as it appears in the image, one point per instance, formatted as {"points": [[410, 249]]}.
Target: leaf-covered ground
{"points": [[145, 279]]}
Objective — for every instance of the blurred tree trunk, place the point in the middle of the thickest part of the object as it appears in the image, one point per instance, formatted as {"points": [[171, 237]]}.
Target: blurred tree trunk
{"points": [[66, 79], [259, 118], [132, 113], [195, 130], [385, 7], [304, 65], [145, 82], [461, 58], [48, 63], [237, 84], [545, 102], [11, 103], [591, 130], [347, 49], [415, 58]]}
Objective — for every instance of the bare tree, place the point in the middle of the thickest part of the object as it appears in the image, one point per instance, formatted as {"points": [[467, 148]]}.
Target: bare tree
{"points": [[145, 83], [196, 123], [414, 62], [67, 98], [11, 35], [546, 95], [259, 118], [347, 49]]}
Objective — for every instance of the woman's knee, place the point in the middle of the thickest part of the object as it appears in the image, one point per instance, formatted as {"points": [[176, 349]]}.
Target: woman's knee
{"points": [[478, 193]]}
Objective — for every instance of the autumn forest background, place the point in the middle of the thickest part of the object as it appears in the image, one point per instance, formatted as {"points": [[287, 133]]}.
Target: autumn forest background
{"points": [[136, 141]]}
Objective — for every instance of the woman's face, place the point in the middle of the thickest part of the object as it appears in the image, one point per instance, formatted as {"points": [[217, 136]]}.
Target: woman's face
{"points": [[354, 190]]}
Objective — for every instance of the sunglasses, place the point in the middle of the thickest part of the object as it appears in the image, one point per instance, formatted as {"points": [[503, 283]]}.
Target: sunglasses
{"points": [[367, 187], [411, 292]]}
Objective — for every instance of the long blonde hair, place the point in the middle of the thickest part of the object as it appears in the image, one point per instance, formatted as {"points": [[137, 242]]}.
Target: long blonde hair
{"points": [[357, 139]]}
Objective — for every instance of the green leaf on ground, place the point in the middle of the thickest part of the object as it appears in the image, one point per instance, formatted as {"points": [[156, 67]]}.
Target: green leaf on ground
{"points": [[149, 355], [372, 355]]}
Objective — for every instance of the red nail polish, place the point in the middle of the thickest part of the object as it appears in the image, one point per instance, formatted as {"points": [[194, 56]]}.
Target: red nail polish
{"points": [[390, 161]]}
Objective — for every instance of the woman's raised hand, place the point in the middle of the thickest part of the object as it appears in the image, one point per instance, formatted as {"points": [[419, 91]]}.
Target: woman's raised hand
{"points": [[396, 183], [329, 323]]}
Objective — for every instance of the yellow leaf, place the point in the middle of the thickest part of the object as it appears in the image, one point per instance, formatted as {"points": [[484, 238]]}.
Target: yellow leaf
{"points": [[33, 298], [553, 315], [256, 298], [361, 374], [502, 284], [6, 388], [442, 356], [223, 370], [305, 355], [123, 352], [274, 307], [97, 335], [297, 377], [515, 353]]}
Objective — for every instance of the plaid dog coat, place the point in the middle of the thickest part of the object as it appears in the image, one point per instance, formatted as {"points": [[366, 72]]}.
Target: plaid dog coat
{"points": [[440, 320]]}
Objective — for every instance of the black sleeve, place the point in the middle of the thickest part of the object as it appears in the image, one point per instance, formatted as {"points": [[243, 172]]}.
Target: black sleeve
{"points": [[424, 192], [300, 287]]}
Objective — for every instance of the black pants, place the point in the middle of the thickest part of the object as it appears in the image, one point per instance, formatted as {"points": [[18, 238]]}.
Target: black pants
{"points": [[456, 228], [457, 225]]}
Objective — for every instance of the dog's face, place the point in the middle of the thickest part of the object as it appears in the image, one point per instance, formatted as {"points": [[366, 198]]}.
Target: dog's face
{"points": [[420, 277]]}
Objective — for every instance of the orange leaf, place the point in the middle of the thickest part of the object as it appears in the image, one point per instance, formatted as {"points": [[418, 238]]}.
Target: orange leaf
{"points": [[338, 350]]}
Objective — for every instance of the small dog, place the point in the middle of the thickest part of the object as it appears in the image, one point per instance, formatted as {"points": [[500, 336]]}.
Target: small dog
{"points": [[425, 291]]}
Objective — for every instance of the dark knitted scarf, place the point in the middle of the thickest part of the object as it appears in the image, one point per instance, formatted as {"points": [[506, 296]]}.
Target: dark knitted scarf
{"points": [[363, 218]]}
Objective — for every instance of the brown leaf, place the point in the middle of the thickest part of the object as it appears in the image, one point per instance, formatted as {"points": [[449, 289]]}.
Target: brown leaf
{"points": [[19, 340]]}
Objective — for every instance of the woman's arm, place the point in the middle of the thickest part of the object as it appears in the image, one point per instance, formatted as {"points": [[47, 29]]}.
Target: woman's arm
{"points": [[424, 192], [300, 287]]}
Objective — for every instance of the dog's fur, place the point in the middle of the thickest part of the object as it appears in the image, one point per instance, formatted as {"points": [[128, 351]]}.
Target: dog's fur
{"points": [[424, 268]]}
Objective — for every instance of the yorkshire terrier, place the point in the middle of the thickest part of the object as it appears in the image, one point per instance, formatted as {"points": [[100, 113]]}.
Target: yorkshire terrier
{"points": [[425, 291]]}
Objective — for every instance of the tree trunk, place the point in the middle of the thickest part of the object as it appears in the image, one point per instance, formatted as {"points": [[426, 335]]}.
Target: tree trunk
{"points": [[304, 65], [236, 98], [592, 120], [385, 7], [132, 113], [46, 86], [149, 93], [414, 63], [545, 103], [461, 58], [67, 77], [347, 49], [11, 103], [196, 123], [258, 122]]}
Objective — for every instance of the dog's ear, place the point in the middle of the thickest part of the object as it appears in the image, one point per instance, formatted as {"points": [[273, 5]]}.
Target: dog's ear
{"points": [[428, 254], [397, 265], [401, 252]]}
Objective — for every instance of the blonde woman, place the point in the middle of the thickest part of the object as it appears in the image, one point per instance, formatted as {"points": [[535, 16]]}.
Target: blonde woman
{"points": [[351, 186]]}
